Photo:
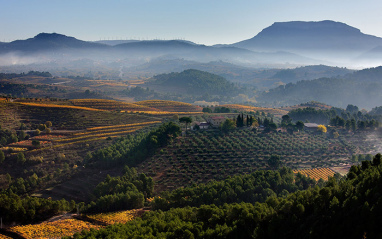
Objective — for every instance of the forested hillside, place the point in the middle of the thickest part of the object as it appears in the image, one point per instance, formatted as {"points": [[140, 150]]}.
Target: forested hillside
{"points": [[360, 88], [347, 208], [197, 82]]}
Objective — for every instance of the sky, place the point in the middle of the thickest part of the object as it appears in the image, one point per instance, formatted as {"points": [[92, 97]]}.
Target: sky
{"points": [[201, 21]]}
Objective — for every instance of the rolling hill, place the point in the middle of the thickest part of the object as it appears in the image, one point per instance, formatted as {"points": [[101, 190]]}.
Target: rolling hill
{"points": [[195, 82], [361, 88]]}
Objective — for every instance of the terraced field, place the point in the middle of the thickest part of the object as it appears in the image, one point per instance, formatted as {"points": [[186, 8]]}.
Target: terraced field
{"points": [[170, 106], [207, 155], [111, 105], [76, 119], [53, 141], [245, 108]]}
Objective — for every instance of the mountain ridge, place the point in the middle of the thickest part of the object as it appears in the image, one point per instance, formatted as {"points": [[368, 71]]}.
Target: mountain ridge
{"points": [[294, 43], [312, 38]]}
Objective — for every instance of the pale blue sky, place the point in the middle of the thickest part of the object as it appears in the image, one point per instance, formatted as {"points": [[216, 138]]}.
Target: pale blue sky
{"points": [[202, 21]]}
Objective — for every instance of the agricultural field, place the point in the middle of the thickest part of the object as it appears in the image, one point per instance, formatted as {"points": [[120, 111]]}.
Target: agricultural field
{"points": [[244, 108], [149, 107], [56, 229], [116, 217], [170, 106], [206, 155], [76, 119], [61, 153], [312, 104], [64, 154], [4, 237], [316, 173], [111, 105]]}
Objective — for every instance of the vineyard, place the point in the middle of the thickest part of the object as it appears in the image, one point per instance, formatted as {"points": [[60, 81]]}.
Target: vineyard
{"points": [[207, 155], [68, 227], [170, 106], [151, 107], [90, 134], [76, 119], [316, 173], [245, 108], [56, 229], [59, 106], [111, 105], [116, 217]]}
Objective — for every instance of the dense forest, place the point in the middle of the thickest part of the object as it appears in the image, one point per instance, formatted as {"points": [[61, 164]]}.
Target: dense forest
{"points": [[251, 188], [9, 76], [310, 114]]}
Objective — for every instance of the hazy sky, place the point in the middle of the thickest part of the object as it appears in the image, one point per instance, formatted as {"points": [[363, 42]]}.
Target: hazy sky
{"points": [[202, 21]]}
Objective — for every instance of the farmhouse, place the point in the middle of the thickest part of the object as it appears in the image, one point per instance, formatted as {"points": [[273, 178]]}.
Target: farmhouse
{"points": [[216, 121], [202, 125], [310, 126]]}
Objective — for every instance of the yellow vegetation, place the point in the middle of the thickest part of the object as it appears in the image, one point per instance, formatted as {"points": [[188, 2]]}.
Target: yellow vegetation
{"points": [[171, 106], [16, 149], [247, 108], [100, 135], [322, 128], [110, 105], [4, 237], [316, 173], [123, 125], [55, 229], [116, 217], [59, 106]]}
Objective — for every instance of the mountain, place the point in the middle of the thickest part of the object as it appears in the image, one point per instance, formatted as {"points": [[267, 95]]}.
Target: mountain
{"points": [[311, 39], [48, 42], [53, 47]]}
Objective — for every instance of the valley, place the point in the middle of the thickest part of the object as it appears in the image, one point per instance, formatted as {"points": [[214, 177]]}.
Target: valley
{"points": [[275, 136]]}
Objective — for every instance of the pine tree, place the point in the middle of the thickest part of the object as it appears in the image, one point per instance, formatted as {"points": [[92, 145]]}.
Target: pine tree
{"points": [[238, 121]]}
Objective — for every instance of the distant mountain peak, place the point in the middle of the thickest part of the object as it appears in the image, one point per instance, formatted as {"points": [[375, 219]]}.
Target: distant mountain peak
{"points": [[44, 35], [305, 37], [54, 37], [313, 29], [313, 24]]}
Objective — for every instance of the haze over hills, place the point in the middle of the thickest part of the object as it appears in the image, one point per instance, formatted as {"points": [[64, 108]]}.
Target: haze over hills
{"points": [[261, 78], [373, 56], [48, 42], [321, 39], [361, 88], [55, 45], [281, 45], [117, 42]]}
